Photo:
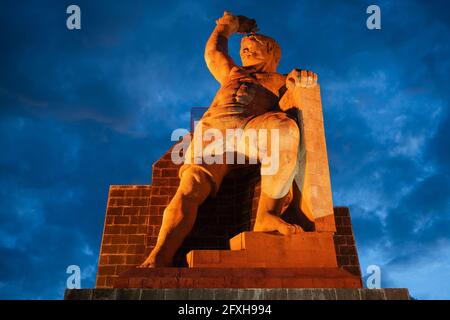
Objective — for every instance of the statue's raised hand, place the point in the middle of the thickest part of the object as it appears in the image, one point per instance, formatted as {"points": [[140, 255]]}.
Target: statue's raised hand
{"points": [[301, 78], [239, 24]]}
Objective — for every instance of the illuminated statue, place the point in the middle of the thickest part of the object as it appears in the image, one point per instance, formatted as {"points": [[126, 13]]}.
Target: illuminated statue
{"points": [[248, 100]]}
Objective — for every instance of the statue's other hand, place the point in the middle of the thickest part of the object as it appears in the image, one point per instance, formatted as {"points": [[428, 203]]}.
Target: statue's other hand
{"points": [[301, 78]]}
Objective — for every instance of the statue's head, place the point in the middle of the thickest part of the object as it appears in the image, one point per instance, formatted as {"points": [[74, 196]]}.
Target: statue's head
{"points": [[257, 49]]}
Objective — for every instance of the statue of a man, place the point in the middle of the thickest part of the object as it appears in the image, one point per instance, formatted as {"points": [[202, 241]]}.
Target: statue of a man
{"points": [[248, 100]]}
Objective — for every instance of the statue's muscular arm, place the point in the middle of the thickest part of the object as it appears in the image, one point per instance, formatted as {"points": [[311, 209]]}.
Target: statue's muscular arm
{"points": [[216, 52]]}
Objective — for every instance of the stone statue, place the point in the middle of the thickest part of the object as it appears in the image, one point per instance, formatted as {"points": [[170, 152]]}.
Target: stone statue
{"points": [[248, 99]]}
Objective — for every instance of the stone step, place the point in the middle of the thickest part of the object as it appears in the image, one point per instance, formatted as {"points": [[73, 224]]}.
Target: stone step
{"points": [[257, 241], [237, 278], [266, 250], [236, 294]]}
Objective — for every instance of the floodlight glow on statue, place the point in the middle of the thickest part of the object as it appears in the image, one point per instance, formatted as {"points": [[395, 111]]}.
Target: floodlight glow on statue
{"points": [[248, 99]]}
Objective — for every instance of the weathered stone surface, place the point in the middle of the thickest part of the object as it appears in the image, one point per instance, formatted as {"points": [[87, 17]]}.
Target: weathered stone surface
{"points": [[396, 294], [323, 294], [205, 294], [348, 294], [250, 294], [78, 294], [275, 294], [151, 294], [224, 294], [128, 294], [237, 294], [176, 294], [373, 295], [104, 294]]}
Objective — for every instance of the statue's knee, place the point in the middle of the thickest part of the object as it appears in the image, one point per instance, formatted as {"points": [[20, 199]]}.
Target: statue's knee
{"points": [[284, 123], [288, 127], [195, 183]]}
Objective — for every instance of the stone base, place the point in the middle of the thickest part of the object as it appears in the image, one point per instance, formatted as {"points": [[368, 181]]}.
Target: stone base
{"points": [[270, 250], [237, 278], [236, 294]]}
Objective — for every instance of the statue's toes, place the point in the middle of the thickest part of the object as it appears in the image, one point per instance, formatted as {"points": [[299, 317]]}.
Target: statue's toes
{"points": [[292, 229], [287, 229], [146, 264], [298, 229]]}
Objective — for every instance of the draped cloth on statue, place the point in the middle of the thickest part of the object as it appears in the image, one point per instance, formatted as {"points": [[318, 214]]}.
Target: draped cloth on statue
{"points": [[217, 151]]}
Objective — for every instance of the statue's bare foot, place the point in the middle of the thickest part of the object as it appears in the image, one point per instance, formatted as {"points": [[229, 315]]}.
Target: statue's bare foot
{"points": [[269, 222], [155, 261]]}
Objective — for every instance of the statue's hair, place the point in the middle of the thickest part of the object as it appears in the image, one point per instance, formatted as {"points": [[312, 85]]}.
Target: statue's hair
{"points": [[272, 46]]}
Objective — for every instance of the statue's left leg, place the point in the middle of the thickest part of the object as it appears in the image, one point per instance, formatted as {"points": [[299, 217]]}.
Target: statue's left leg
{"points": [[278, 159]]}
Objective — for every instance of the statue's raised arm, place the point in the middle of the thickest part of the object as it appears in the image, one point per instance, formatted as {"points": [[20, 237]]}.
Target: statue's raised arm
{"points": [[216, 52]]}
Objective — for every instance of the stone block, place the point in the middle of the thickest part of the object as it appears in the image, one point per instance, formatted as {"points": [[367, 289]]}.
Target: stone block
{"points": [[104, 294], [78, 294], [260, 249], [128, 294], [237, 294]]}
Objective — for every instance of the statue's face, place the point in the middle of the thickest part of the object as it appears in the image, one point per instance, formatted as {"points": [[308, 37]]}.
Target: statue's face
{"points": [[253, 51]]}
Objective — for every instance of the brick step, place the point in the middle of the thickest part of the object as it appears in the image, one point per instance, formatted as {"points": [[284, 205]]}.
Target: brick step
{"points": [[270, 250], [251, 240], [237, 278]]}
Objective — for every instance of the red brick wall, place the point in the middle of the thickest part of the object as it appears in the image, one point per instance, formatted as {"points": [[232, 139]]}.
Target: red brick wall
{"points": [[344, 241], [125, 230], [134, 215]]}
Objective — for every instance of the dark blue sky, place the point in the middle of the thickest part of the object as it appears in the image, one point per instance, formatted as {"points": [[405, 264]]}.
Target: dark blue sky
{"points": [[81, 110]]}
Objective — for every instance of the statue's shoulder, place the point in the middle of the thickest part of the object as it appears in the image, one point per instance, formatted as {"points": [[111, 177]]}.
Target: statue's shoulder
{"points": [[278, 79]]}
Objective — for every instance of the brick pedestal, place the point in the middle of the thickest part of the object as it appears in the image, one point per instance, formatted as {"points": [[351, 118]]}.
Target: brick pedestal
{"points": [[134, 216], [325, 256], [256, 260]]}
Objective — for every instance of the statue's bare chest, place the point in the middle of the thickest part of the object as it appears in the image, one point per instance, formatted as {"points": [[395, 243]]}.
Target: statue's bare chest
{"points": [[241, 79]]}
